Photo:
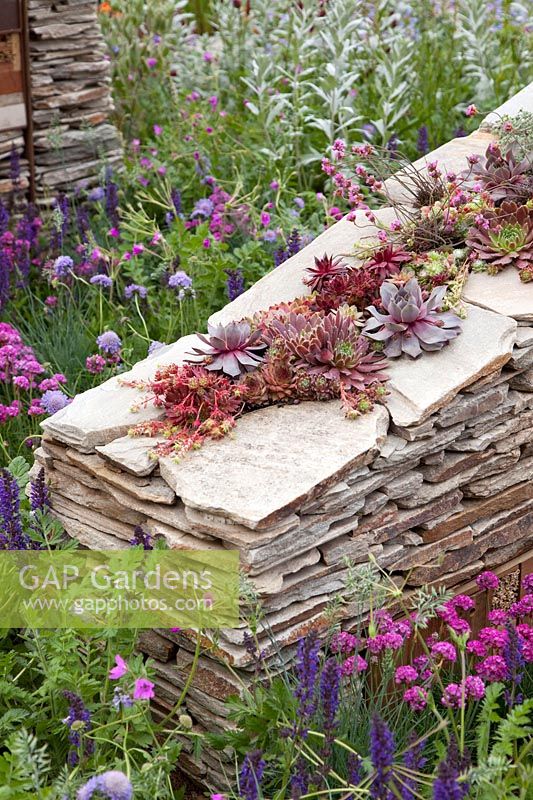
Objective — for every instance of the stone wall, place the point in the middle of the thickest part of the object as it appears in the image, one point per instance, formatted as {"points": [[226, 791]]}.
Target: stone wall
{"points": [[436, 485], [71, 99]]}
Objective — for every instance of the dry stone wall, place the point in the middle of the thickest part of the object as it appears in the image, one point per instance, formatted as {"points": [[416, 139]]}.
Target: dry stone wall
{"points": [[70, 99], [436, 485]]}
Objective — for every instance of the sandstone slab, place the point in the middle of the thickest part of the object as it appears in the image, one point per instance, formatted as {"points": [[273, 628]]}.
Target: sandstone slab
{"points": [[504, 293], [133, 454], [278, 458], [420, 387]]}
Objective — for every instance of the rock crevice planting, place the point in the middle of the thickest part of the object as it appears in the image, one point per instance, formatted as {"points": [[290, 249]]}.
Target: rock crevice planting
{"points": [[429, 469]]}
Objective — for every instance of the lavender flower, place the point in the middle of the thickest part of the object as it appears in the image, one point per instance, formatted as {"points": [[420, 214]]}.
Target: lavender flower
{"points": [[101, 280], [175, 196], [141, 537], [251, 775], [61, 219], [355, 769], [447, 785], [121, 699], [12, 536], [111, 200], [109, 342], [4, 218], [5, 272], [96, 194], [82, 222], [113, 785], [54, 400], [382, 748], [422, 144], [293, 246], [414, 761], [513, 655], [234, 283], [329, 697], [300, 780], [306, 673], [135, 288], [39, 495], [78, 721]]}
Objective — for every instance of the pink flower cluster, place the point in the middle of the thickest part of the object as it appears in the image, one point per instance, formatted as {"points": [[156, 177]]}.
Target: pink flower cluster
{"points": [[19, 373]]}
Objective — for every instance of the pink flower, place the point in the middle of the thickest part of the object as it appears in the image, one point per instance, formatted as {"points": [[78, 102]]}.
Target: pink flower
{"points": [[274, 185], [471, 110], [213, 101], [444, 649], [405, 674], [143, 689], [492, 637], [462, 601], [473, 158], [477, 648], [343, 642], [527, 583], [51, 301], [507, 126], [151, 62], [158, 130], [21, 382], [474, 687], [395, 225], [416, 698], [206, 243], [95, 364], [121, 668], [265, 219], [114, 232], [208, 57], [138, 249], [353, 664], [497, 617], [382, 236], [492, 668], [453, 696]]}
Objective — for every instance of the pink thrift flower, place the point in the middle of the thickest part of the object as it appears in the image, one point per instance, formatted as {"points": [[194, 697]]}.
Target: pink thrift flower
{"points": [[453, 696], [343, 642], [497, 616], [474, 687], [206, 243], [527, 583], [353, 664], [477, 648], [143, 689], [444, 649], [471, 110], [462, 601], [492, 668], [274, 185], [51, 301], [121, 668], [151, 62], [507, 126], [492, 637], [114, 233], [265, 219], [406, 674], [213, 101], [416, 698], [138, 249], [382, 236], [158, 130]]}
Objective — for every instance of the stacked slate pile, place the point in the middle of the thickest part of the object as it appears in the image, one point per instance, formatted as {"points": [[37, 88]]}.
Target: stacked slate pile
{"points": [[71, 96], [436, 484]]}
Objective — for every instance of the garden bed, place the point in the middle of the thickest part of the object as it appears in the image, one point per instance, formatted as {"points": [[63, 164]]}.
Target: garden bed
{"points": [[435, 484]]}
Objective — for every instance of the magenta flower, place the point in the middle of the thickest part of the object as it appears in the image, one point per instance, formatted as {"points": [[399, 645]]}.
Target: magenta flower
{"points": [[138, 249], [527, 583], [151, 62], [353, 664], [95, 364], [143, 689], [265, 219], [416, 698], [405, 674], [471, 110], [158, 130], [474, 687], [492, 668], [343, 642], [120, 670], [444, 649]]}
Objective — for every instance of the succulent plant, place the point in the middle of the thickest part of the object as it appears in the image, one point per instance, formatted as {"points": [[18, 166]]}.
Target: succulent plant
{"points": [[505, 177], [358, 288], [387, 261], [411, 322], [325, 268], [331, 346], [506, 239], [233, 349]]}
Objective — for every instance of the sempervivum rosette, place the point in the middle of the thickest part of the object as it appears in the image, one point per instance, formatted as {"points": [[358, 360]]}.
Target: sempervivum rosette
{"points": [[411, 323], [232, 349], [504, 237]]}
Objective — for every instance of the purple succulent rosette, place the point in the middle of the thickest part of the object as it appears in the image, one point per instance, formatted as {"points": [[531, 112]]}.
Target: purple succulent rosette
{"points": [[411, 323], [232, 349]]}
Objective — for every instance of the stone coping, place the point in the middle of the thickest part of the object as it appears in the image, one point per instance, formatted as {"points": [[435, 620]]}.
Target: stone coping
{"points": [[278, 458]]}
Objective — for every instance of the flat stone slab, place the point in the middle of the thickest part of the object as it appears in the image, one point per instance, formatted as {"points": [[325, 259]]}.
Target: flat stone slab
{"points": [[522, 101], [100, 415], [285, 283], [133, 454], [420, 387], [278, 458], [504, 293]]}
